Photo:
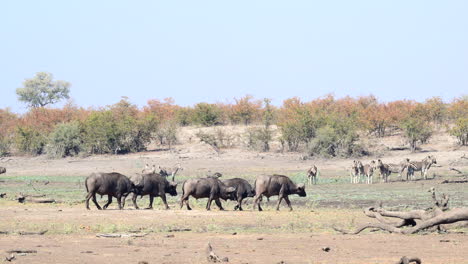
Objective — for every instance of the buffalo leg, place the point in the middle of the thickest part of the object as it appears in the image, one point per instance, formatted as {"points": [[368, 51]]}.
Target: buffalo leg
{"points": [[280, 198], [134, 198], [208, 204], [109, 201], [218, 203], [186, 200], [257, 200], [151, 199], [88, 196], [95, 202], [119, 201], [124, 199], [286, 198], [163, 198], [181, 202], [239, 204]]}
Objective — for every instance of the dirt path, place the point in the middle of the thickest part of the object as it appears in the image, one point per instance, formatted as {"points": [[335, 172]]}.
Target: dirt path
{"points": [[251, 248]]}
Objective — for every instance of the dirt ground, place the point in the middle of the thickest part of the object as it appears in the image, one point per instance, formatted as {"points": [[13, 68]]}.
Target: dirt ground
{"points": [[243, 237]]}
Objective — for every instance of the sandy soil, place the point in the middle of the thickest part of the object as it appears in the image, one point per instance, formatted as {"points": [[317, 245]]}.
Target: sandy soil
{"points": [[249, 246], [240, 248]]}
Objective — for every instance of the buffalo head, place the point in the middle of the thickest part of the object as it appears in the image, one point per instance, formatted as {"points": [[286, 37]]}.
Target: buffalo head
{"points": [[171, 188], [300, 190]]}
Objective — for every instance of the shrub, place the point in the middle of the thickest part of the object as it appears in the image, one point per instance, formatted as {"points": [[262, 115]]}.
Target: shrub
{"points": [[245, 110], [118, 130], [184, 116], [207, 114], [167, 134], [296, 124], [100, 133], [5, 144], [460, 131], [338, 138], [259, 139], [29, 140], [8, 122], [416, 131], [65, 140], [217, 139]]}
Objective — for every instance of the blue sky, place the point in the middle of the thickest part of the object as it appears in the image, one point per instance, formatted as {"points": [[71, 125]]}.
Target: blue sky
{"points": [[212, 51]]}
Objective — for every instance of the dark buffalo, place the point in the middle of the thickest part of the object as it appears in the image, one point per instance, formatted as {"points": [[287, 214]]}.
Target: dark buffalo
{"points": [[276, 185], [2, 170], [243, 190], [111, 184], [153, 185], [210, 188]]}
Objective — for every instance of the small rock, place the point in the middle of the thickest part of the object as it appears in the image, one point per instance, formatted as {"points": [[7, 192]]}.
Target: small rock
{"points": [[260, 238], [326, 249], [169, 236], [235, 233], [225, 259]]}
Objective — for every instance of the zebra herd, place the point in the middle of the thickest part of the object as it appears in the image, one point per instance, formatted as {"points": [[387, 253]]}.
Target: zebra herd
{"points": [[363, 173], [360, 171]]}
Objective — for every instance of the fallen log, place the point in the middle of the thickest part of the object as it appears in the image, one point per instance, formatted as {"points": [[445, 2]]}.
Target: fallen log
{"points": [[436, 216], [22, 251], [25, 233], [454, 181], [29, 199], [179, 230], [120, 235]]}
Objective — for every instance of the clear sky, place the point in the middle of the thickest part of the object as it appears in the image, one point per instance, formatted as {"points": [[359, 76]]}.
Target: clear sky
{"points": [[212, 51]]}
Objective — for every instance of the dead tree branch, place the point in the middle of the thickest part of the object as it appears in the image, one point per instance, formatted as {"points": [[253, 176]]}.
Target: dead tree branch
{"points": [[406, 260], [453, 169], [438, 215], [212, 257]]}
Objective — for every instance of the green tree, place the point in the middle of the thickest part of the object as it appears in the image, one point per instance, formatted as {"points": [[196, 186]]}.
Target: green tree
{"points": [[65, 140], [207, 114], [460, 131], [41, 90], [416, 130]]}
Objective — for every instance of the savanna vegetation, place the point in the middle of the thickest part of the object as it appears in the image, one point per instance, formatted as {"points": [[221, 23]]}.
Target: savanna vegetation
{"points": [[326, 126]]}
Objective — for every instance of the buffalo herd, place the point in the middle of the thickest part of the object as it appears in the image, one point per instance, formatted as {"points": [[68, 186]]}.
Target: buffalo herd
{"points": [[157, 185]]}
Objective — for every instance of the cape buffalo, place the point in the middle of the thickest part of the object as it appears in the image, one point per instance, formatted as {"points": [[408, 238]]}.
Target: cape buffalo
{"points": [[153, 185], [111, 184], [243, 190], [276, 185], [2, 170], [210, 188]]}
